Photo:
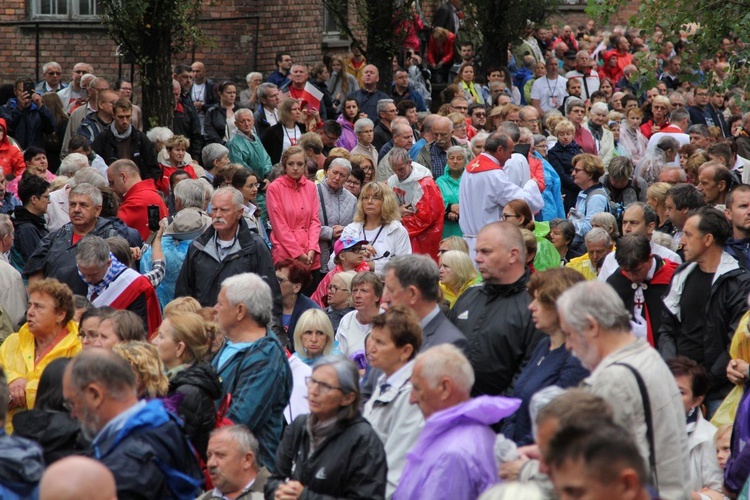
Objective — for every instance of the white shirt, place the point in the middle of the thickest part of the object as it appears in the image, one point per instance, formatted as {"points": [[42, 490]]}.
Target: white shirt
{"points": [[483, 195], [271, 116], [518, 170], [592, 82], [550, 93], [610, 265]]}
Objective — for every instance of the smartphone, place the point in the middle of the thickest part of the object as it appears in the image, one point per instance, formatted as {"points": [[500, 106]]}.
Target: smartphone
{"points": [[522, 149], [153, 217], [28, 87]]}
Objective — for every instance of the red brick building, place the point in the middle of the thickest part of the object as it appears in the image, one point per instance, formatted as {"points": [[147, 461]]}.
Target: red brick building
{"points": [[245, 34]]}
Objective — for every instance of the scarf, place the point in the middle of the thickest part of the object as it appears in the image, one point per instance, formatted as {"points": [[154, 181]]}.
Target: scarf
{"points": [[115, 269], [171, 374], [596, 130], [319, 431], [118, 135]]}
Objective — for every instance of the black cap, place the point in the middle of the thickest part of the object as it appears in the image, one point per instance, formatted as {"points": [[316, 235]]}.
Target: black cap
{"points": [[570, 54]]}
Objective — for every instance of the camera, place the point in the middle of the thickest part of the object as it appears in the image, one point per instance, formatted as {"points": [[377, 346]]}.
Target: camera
{"points": [[153, 217]]}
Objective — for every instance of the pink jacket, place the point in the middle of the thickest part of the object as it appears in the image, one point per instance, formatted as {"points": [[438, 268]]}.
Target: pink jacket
{"points": [[293, 212]]}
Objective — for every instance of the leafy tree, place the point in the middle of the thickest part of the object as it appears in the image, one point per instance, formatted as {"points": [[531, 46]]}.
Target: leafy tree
{"points": [[705, 22], [152, 32], [381, 38], [502, 22]]}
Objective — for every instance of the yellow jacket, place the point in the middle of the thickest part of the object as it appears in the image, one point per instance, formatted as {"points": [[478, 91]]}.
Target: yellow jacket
{"points": [[17, 358], [583, 265], [448, 295]]}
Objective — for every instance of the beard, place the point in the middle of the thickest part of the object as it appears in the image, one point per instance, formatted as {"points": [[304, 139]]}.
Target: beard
{"points": [[89, 424]]}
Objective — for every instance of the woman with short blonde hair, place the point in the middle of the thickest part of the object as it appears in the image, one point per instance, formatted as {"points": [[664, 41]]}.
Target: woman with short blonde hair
{"points": [[313, 336]]}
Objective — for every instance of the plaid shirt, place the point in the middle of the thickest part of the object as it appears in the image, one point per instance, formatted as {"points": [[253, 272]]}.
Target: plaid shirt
{"points": [[439, 160]]}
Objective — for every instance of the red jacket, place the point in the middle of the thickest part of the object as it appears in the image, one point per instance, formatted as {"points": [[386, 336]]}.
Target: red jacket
{"points": [[162, 184], [134, 211], [444, 53], [537, 170], [425, 227], [11, 158]]}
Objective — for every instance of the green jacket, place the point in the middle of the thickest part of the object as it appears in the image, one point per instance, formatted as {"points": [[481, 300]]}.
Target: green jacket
{"points": [[449, 189], [251, 155], [547, 255]]}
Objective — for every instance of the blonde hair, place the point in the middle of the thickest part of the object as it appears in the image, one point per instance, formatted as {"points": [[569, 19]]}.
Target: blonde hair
{"points": [[722, 431], [346, 277], [456, 243], [591, 164], [177, 140], [314, 319], [190, 329], [462, 266], [339, 153], [147, 366], [182, 304], [658, 191], [388, 213], [564, 125]]}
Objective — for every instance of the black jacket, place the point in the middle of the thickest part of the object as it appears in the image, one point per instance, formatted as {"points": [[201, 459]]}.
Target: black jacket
{"points": [[200, 387], [261, 124], [56, 255], [561, 158], [185, 122], [29, 231], [327, 109], [273, 140], [697, 117], [57, 433], [350, 463], [726, 304], [141, 151], [215, 124], [382, 135], [497, 323], [202, 272]]}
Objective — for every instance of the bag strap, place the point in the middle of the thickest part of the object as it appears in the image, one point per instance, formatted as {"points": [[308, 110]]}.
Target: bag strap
{"points": [[323, 205], [592, 193], [649, 421]]}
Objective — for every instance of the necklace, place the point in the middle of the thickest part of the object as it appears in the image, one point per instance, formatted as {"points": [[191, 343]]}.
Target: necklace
{"points": [[292, 140]]}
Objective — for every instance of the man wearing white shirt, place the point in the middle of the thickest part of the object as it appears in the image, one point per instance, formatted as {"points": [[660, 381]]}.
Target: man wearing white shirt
{"points": [[639, 218], [548, 92], [584, 71], [486, 188], [269, 96]]}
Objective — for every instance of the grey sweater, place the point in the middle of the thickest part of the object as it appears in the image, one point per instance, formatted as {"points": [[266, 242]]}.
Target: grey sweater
{"points": [[339, 210]]}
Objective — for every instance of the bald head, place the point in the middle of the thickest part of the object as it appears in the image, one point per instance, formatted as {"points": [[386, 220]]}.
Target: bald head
{"points": [[501, 253], [73, 478]]}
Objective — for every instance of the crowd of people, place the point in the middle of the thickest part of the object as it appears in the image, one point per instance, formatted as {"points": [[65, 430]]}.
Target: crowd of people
{"points": [[312, 288]]}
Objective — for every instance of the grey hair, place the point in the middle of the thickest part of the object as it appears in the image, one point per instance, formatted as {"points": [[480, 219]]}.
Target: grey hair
{"points": [[481, 136], [346, 371], [679, 114], [341, 162], [400, 155], [458, 150], [48, 66], [594, 301], [621, 167], [211, 153], [92, 251], [599, 107], [251, 75], [72, 163], [419, 271], [398, 127], [263, 89], [526, 133], [383, 105], [243, 111], [237, 197], [446, 360], [598, 235], [6, 226], [88, 175], [252, 291], [511, 130], [103, 367], [540, 138], [573, 102], [607, 220], [159, 134], [362, 123], [89, 190], [191, 193], [244, 439]]}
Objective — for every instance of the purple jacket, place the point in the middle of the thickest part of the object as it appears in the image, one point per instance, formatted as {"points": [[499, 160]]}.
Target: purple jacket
{"points": [[348, 138], [454, 456], [738, 464]]}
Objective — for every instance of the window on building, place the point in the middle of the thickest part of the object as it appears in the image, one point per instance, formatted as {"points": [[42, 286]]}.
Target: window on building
{"points": [[331, 27], [68, 9]]}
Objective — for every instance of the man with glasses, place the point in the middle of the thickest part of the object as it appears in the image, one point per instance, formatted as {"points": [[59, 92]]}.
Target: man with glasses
{"points": [[95, 86], [329, 133], [72, 94], [529, 118], [52, 79], [96, 122], [99, 390], [252, 363], [478, 115], [280, 77], [400, 90]]}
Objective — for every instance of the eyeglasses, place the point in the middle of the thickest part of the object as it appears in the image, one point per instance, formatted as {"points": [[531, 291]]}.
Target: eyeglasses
{"points": [[54, 73], [578, 170], [90, 337], [460, 108], [254, 184], [322, 386], [355, 249], [68, 404], [334, 289], [281, 279], [509, 216], [480, 115]]}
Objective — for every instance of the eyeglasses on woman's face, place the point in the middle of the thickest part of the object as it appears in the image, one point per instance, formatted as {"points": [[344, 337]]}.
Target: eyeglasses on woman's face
{"points": [[323, 388]]}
